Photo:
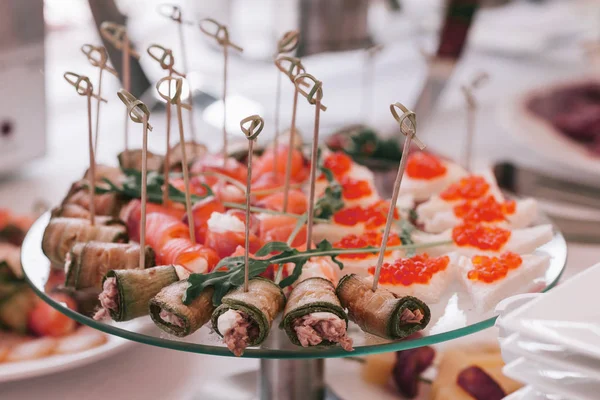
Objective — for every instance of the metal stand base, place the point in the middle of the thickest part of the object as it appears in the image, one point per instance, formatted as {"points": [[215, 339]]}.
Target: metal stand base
{"points": [[275, 380]]}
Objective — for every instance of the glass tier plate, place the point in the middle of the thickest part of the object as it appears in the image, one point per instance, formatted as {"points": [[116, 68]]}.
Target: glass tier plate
{"points": [[452, 317]]}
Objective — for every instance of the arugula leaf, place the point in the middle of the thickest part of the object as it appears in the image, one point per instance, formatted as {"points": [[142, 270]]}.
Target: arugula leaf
{"points": [[321, 167], [132, 187], [331, 201]]}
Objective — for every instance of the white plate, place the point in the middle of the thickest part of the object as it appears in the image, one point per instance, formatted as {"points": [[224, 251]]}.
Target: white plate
{"points": [[531, 393], [343, 377], [567, 315], [14, 371], [541, 137], [551, 380]]}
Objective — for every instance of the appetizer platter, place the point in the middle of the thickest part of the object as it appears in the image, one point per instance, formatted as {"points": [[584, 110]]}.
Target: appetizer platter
{"points": [[290, 249], [36, 339]]}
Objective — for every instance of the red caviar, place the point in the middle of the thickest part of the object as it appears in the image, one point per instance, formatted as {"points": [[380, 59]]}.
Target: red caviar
{"points": [[368, 239], [339, 163], [483, 237], [421, 165], [469, 188], [373, 216], [490, 269], [407, 271], [355, 189], [485, 210]]}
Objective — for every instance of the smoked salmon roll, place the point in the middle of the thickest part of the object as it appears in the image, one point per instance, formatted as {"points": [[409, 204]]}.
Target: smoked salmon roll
{"points": [[132, 215], [226, 232], [297, 202], [162, 228], [194, 257]]}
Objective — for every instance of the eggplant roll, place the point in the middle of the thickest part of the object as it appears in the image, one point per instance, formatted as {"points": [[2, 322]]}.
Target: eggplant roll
{"points": [[314, 315], [172, 316], [62, 233], [381, 313], [127, 293], [104, 204], [132, 159], [245, 318], [76, 211], [87, 263]]}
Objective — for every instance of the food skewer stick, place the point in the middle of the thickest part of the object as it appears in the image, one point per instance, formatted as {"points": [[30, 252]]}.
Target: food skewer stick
{"points": [[314, 96], [410, 133], [367, 81], [98, 57], [84, 88], [117, 35], [288, 43], [176, 99], [295, 68], [139, 113], [251, 132], [174, 13], [166, 60], [221, 35], [471, 102]]}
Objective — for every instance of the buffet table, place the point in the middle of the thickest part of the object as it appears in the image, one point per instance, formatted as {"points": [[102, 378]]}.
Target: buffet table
{"points": [[154, 373]]}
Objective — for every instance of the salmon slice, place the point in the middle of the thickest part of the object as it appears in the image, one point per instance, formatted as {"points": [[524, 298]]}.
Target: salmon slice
{"points": [[192, 256], [202, 212], [213, 162], [264, 164], [297, 202], [132, 215], [225, 243], [161, 228]]}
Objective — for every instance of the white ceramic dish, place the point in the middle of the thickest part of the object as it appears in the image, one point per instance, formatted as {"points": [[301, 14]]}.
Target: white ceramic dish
{"points": [[541, 137], [14, 371], [566, 315]]}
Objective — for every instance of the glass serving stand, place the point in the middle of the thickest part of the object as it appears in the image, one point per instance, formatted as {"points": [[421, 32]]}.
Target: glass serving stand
{"points": [[286, 371]]}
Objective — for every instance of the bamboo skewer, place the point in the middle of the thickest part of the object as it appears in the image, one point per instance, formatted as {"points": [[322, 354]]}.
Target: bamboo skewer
{"points": [[84, 87], [251, 132], [174, 13], [221, 35], [166, 60], [410, 133], [314, 96], [117, 35], [288, 43], [294, 69], [367, 81], [471, 102], [176, 99], [138, 112], [98, 57]]}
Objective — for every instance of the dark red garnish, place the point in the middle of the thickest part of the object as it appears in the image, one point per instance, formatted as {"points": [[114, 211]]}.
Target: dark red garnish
{"points": [[410, 364], [479, 384]]}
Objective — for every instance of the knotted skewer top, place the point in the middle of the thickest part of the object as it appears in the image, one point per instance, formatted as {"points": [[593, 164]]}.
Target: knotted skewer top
{"points": [[115, 35], [288, 42], [164, 57], [407, 115], [82, 84], [316, 89], [221, 34], [256, 126], [480, 79], [293, 70], [175, 97], [136, 109], [98, 57]]}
